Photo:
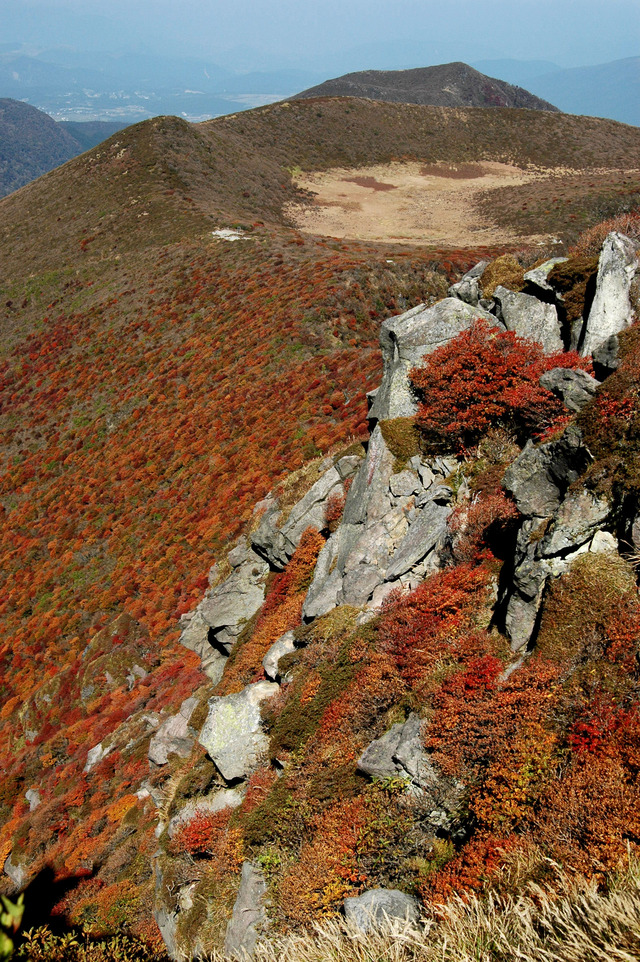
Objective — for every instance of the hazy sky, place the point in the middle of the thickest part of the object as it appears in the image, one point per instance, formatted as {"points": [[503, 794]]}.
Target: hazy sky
{"points": [[319, 33]]}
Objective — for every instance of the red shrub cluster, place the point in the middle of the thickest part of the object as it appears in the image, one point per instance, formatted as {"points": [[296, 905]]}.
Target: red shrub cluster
{"points": [[482, 378]]}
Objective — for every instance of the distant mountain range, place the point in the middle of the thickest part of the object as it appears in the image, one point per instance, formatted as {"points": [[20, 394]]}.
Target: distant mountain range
{"points": [[609, 90], [32, 143], [446, 85]]}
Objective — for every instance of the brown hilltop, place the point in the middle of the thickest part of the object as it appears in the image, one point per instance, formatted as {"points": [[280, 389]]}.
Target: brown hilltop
{"points": [[445, 85]]}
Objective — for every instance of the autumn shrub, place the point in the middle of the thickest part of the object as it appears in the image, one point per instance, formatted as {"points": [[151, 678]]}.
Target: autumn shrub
{"points": [[483, 378], [485, 528]]}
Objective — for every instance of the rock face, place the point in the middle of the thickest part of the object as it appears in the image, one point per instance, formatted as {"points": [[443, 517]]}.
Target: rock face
{"points": [[406, 339], [277, 541], [377, 907], [249, 917], [611, 308], [232, 734], [529, 317], [213, 628], [574, 388], [390, 531], [174, 736], [558, 524]]}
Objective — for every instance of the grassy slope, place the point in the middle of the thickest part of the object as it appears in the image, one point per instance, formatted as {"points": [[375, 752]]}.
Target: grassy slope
{"points": [[139, 363]]}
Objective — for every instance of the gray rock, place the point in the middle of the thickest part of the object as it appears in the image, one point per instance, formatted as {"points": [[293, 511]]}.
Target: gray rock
{"points": [[95, 755], [16, 872], [359, 583], [232, 734], [423, 535], [174, 736], [574, 388], [406, 339], [611, 310], [539, 476], [226, 608], [521, 618], [468, 288], [529, 317], [195, 636], [378, 758], [577, 519], [371, 483], [249, 917], [376, 908], [165, 916], [33, 798], [210, 805], [404, 483], [284, 645], [538, 277], [275, 540], [606, 356]]}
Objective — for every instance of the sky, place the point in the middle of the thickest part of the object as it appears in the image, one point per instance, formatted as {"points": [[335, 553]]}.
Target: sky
{"points": [[334, 34]]}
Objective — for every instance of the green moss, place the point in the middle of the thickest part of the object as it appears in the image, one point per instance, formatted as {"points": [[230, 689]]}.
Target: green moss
{"points": [[271, 820], [402, 438]]}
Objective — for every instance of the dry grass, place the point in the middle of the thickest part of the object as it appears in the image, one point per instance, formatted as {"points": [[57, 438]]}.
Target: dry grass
{"points": [[580, 925]]}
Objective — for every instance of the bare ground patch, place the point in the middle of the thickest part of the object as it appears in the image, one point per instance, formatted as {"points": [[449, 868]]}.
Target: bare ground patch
{"points": [[413, 203]]}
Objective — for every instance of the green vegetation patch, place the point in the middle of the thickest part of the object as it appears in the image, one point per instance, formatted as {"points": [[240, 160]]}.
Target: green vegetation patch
{"points": [[402, 438]]}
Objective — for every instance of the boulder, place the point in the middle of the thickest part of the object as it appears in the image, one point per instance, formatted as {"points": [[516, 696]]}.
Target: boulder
{"points": [[284, 645], [196, 636], [33, 798], [424, 534], [277, 541], [174, 736], [232, 734], [95, 755], [249, 918], [376, 908], [210, 805], [16, 873], [529, 317], [574, 388], [539, 476], [575, 522], [538, 277], [468, 287], [611, 310], [226, 608], [406, 339]]}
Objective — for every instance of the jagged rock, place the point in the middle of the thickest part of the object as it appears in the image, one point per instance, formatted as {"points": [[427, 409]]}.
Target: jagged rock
{"points": [[195, 636], [277, 543], [468, 288], [577, 519], [574, 388], [406, 339], [232, 734], [95, 755], [606, 356], [226, 608], [539, 476], [423, 535], [538, 277], [378, 907], [249, 917], [611, 310], [404, 483], [284, 645], [17, 873], [529, 317], [174, 736], [227, 798], [33, 798]]}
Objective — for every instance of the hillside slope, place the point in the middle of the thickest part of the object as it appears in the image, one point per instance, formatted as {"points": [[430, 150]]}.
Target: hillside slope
{"points": [[446, 85], [142, 359]]}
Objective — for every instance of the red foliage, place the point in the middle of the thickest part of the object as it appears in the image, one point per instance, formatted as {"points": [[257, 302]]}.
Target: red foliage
{"points": [[482, 378]]}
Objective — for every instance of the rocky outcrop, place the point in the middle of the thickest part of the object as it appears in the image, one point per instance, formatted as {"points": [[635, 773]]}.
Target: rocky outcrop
{"points": [[574, 388], [232, 734], [611, 310], [391, 527], [209, 805], [249, 918], [275, 539], [212, 629], [405, 340], [284, 645], [468, 288], [400, 753], [559, 523], [529, 317], [377, 908], [174, 736]]}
